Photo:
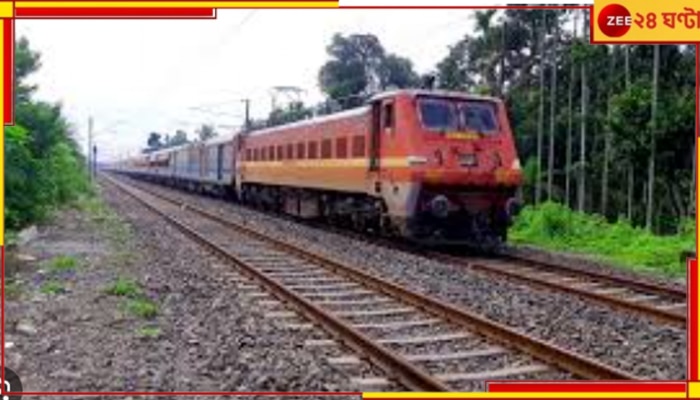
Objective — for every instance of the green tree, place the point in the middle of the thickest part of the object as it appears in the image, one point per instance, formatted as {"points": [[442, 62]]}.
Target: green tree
{"points": [[154, 141], [604, 119], [359, 66], [44, 168], [294, 111], [206, 132], [398, 72], [179, 138]]}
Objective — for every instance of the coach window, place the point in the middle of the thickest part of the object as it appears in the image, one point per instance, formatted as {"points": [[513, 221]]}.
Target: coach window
{"points": [[290, 151], [313, 150], [271, 153], [388, 123], [248, 155], [263, 154], [358, 146], [341, 148], [301, 151], [280, 153], [326, 148], [256, 154]]}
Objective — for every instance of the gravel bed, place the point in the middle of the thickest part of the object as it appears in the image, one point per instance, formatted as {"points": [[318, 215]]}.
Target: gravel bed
{"points": [[586, 263], [223, 236], [627, 341], [211, 335], [294, 337]]}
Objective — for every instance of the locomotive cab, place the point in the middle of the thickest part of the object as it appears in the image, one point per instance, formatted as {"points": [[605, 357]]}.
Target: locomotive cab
{"points": [[449, 166]]}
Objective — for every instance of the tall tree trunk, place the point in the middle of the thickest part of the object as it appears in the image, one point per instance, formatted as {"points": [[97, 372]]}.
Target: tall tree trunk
{"points": [[608, 141], [570, 131], [652, 152], [627, 66], [504, 51], [630, 171], [552, 105], [691, 202], [582, 153], [630, 191], [540, 122]]}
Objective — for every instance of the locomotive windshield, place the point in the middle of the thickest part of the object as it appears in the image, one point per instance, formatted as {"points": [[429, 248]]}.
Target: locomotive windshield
{"points": [[438, 115], [455, 115]]}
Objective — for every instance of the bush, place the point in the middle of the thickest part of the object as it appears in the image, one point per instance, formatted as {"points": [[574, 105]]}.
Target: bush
{"points": [[554, 226], [44, 168]]}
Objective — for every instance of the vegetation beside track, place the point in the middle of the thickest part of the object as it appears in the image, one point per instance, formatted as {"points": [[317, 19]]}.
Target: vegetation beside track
{"points": [[44, 167], [553, 226]]}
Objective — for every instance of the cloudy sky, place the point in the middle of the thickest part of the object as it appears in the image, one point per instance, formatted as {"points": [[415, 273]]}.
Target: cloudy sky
{"points": [[135, 77]]}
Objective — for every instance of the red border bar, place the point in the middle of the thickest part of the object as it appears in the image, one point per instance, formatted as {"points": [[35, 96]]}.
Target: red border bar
{"points": [[9, 78], [692, 320], [127, 12], [651, 387]]}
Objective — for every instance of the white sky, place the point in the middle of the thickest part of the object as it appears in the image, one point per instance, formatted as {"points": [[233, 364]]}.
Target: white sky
{"points": [[136, 76]]}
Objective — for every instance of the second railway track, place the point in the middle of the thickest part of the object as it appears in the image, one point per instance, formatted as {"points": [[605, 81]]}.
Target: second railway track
{"points": [[664, 304], [418, 341]]}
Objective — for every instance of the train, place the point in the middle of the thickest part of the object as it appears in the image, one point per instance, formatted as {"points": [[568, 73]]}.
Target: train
{"points": [[430, 166]]}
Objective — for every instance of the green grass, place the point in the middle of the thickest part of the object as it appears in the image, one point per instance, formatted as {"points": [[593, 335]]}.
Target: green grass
{"points": [[105, 218], [136, 303], [52, 287], [148, 332], [11, 237], [63, 263], [124, 287], [13, 289], [142, 307], [555, 227]]}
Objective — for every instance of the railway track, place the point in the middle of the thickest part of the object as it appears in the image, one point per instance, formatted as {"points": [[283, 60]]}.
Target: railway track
{"points": [[417, 341], [665, 304]]}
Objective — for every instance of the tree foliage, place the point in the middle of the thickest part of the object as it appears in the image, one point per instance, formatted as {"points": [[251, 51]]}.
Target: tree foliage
{"points": [[295, 111], [44, 168], [360, 66], [206, 132], [503, 57], [158, 141]]}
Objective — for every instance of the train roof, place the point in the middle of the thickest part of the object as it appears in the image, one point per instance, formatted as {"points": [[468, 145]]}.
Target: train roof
{"points": [[427, 92], [364, 108], [311, 121], [213, 141], [330, 117]]}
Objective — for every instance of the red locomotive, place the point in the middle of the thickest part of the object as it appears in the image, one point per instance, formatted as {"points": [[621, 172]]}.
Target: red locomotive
{"points": [[433, 166]]}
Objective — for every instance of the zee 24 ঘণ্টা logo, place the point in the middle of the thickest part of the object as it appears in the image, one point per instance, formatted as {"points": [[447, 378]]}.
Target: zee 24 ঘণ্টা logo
{"points": [[615, 20]]}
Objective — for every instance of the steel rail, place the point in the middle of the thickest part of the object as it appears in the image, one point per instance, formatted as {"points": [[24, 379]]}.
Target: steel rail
{"points": [[627, 282], [617, 302], [393, 364], [575, 363]]}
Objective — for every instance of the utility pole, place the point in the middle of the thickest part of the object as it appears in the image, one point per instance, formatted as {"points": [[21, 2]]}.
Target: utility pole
{"points": [[89, 149], [247, 114], [94, 161]]}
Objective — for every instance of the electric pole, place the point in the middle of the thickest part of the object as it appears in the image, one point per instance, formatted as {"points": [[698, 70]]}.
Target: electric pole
{"points": [[90, 150], [247, 114]]}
